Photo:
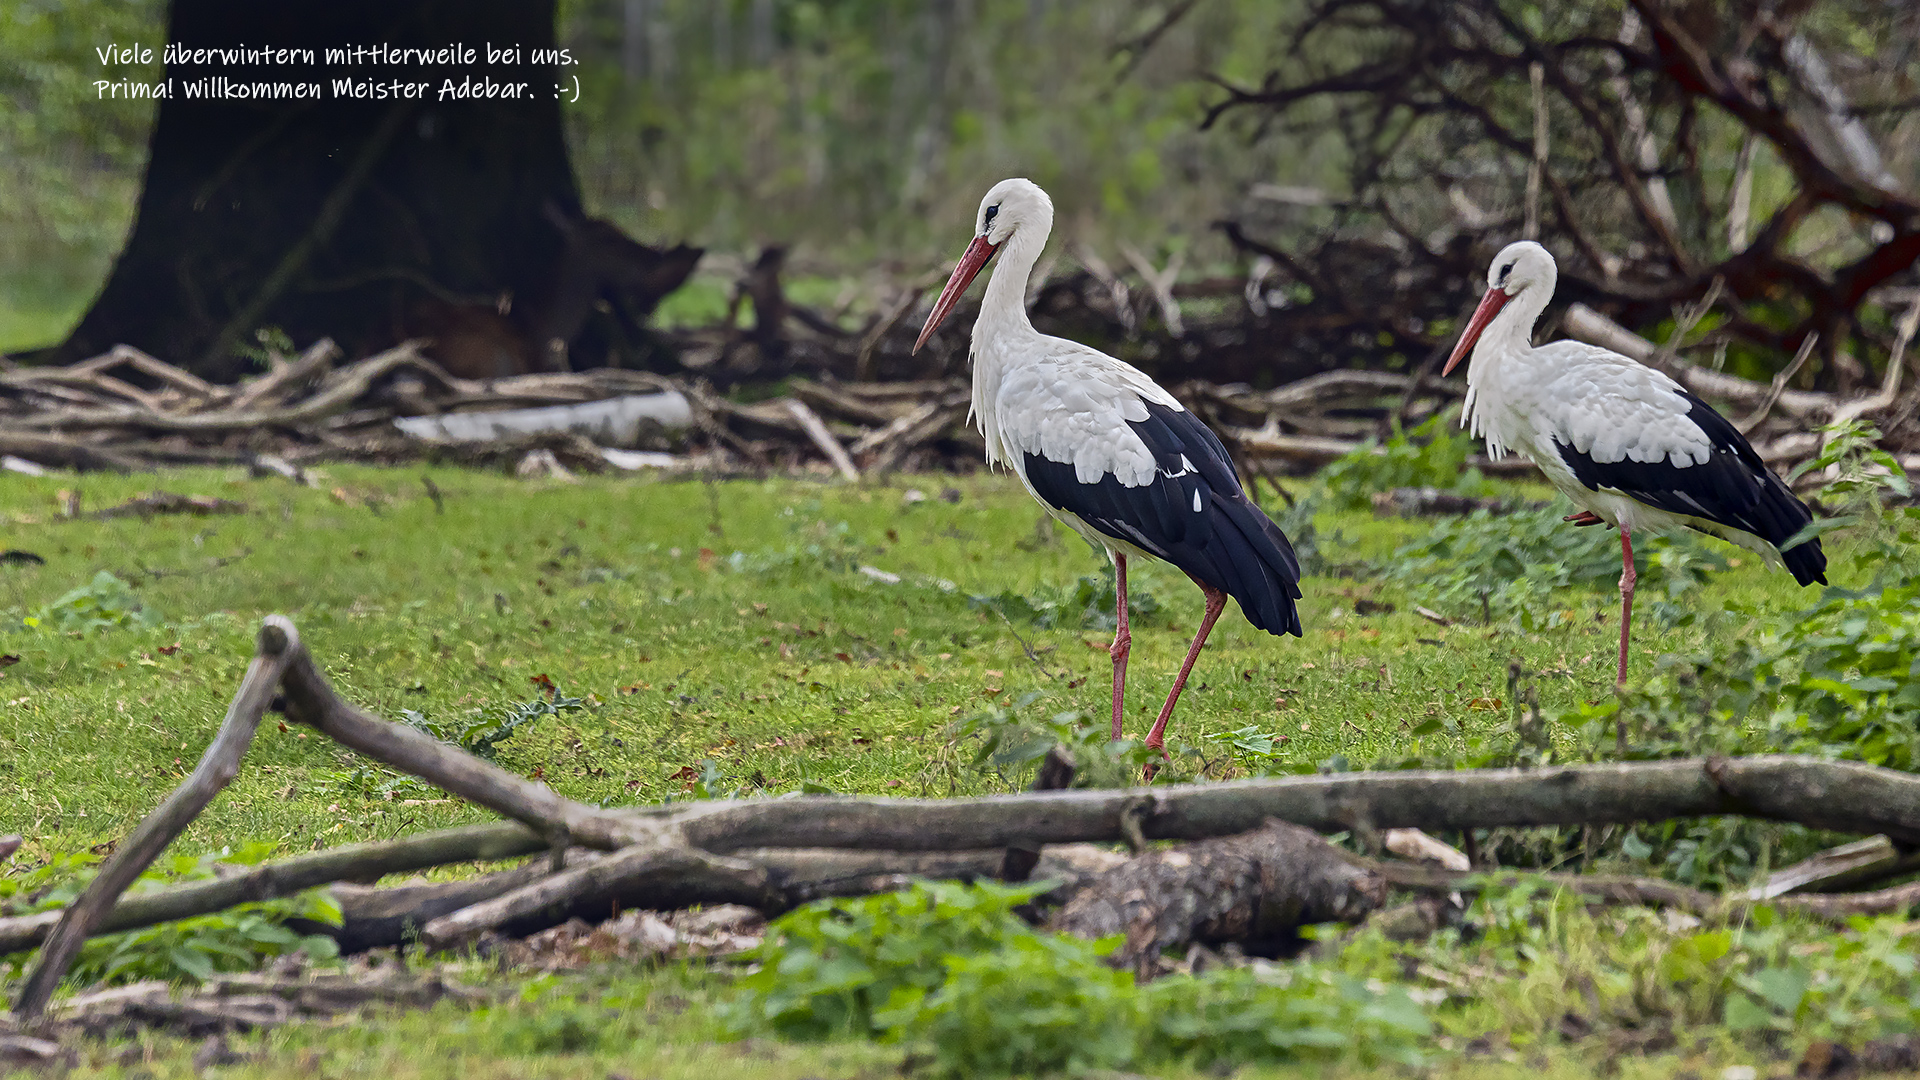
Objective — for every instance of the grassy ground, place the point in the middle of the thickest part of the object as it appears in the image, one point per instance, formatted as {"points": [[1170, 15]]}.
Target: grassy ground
{"points": [[701, 623]]}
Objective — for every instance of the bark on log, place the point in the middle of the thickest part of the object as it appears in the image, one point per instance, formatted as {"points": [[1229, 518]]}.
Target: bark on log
{"points": [[1840, 796], [1254, 889], [1056, 773]]}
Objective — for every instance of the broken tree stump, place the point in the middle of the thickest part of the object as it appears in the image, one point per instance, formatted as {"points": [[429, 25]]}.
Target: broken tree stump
{"points": [[1254, 889]]}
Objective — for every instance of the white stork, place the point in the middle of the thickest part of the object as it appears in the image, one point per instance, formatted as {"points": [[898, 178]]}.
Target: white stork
{"points": [[1631, 447], [1107, 451]]}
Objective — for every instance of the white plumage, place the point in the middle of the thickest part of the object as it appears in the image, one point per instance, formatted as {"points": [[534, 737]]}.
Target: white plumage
{"points": [[1630, 446], [1106, 450]]}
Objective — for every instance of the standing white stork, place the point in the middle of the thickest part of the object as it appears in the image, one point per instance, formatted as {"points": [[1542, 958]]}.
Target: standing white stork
{"points": [[1107, 451], [1631, 447]]}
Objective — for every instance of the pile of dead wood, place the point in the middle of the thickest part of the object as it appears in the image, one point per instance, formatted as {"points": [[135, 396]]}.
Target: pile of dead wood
{"points": [[127, 410], [1246, 869]]}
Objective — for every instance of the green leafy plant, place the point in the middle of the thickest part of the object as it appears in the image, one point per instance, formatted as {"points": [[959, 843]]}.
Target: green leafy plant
{"points": [[1433, 454], [105, 603], [1010, 739], [1091, 604], [863, 966], [1515, 564], [1538, 955], [236, 939], [954, 968]]}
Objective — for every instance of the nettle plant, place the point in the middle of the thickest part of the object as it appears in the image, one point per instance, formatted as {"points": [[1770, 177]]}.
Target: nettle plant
{"points": [[105, 603], [1433, 454], [1517, 565], [953, 968]]}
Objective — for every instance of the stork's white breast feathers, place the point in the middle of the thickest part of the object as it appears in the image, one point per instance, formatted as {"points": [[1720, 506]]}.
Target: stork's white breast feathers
{"points": [[1074, 404], [1604, 405]]}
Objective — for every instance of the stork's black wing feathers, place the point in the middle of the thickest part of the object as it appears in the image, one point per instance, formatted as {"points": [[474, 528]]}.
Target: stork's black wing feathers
{"points": [[1194, 515], [1734, 488]]}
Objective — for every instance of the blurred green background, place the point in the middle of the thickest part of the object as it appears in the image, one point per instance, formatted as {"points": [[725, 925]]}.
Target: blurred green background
{"points": [[862, 132]]}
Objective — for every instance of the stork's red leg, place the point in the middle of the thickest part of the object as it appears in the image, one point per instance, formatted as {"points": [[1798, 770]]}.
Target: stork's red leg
{"points": [[1585, 517], [1122, 639], [1627, 578], [1216, 601]]}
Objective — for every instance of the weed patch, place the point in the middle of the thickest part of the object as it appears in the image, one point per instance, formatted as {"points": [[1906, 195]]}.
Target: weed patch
{"points": [[952, 967]]}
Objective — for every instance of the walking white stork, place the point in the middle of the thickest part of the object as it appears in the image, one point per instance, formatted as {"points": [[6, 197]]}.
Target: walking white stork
{"points": [[1631, 447], [1107, 451]]}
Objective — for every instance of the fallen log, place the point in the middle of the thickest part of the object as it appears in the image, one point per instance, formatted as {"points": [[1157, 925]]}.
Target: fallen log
{"points": [[1433, 502], [170, 502]]}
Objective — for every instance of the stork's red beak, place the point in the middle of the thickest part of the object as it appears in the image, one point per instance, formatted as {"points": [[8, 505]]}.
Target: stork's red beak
{"points": [[976, 256], [1490, 306]]}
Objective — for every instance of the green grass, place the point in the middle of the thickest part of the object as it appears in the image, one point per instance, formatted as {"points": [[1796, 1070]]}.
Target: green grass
{"points": [[785, 667], [620, 590], [27, 324]]}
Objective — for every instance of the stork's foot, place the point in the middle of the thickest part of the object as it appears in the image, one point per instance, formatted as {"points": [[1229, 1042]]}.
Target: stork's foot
{"points": [[1152, 768], [1584, 517]]}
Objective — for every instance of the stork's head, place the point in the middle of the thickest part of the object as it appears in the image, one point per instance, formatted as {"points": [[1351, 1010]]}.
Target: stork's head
{"points": [[1013, 206], [1521, 267]]}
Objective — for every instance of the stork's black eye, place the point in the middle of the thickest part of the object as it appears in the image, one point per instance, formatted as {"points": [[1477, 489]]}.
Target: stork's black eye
{"points": [[992, 212], [1504, 271]]}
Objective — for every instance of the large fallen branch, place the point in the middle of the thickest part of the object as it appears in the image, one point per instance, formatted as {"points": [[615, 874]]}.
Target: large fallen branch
{"points": [[741, 851]]}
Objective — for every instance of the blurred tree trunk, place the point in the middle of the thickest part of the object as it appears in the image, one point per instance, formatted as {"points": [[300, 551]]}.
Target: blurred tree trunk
{"points": [[340, 216]]}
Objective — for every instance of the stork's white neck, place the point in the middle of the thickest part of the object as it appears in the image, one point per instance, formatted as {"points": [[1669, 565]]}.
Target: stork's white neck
{"points": [[1506, 340], [1003, 324], [1511, 332], [1003, 309]]}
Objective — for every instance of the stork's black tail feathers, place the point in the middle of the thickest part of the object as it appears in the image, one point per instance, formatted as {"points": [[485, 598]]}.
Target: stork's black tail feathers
{"points": [[1785, 516], [1732, 489], [1251, 562], [1193, 514]]}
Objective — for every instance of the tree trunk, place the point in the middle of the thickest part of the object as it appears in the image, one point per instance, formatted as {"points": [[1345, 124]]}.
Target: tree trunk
{"points": [[361, 219]]}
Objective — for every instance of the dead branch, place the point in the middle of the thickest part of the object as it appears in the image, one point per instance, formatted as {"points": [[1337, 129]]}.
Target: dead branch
{"points": [[1432, 502], [816, 430], [1779, 387], [600, 880], [340, 392], [286, 877], [270, 388], [218, 766], [1834, 908], [170, 502], [245, 1002], [311, 700]]}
